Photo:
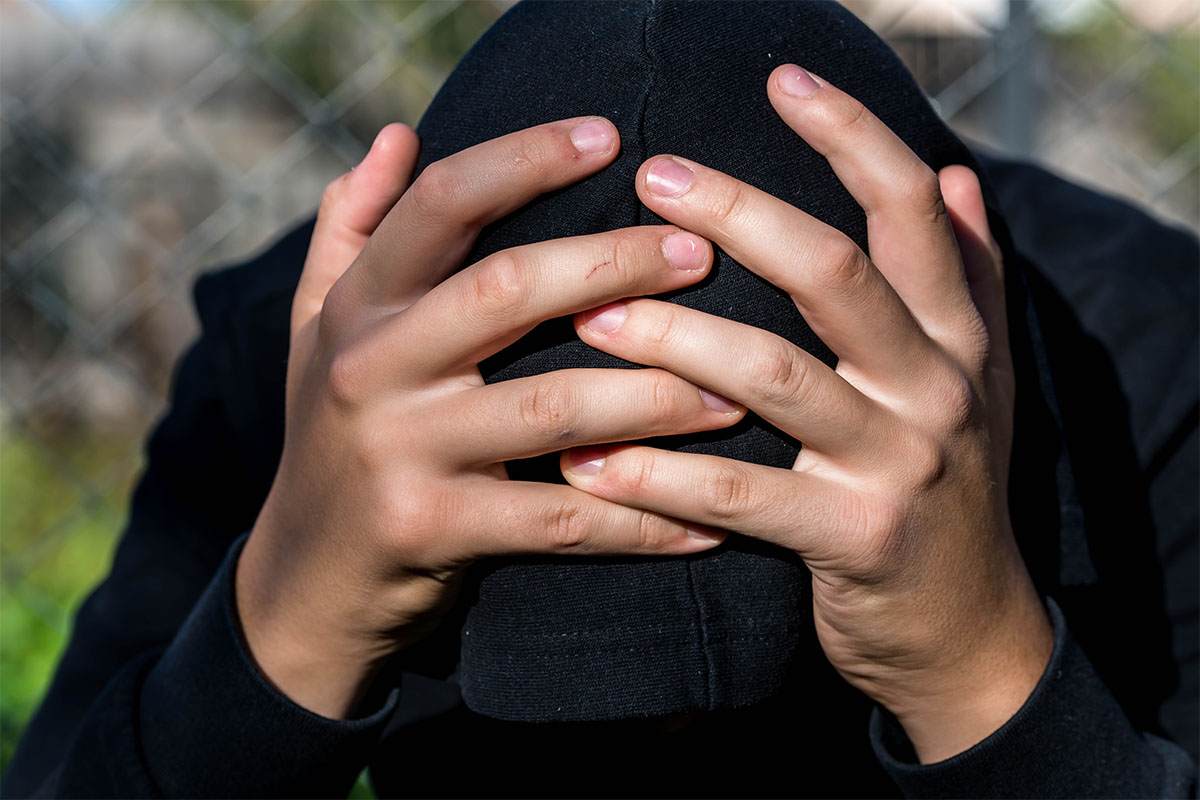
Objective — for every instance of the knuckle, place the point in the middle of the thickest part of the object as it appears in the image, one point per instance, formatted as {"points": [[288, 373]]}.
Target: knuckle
{"points": [[532, 150], [877, 523], [336, 310], [419, 518], [436, 191], [978, 344], [567, 526], [547, 408], [725, 492], [925, 463], [664, 329], [625, 257], [652, 533], [636, 479], [663, 397], [956, 403], [781, 374], [923, 194], [347, 376], [499, 284], [848, 116], [842, 266], [730, 206]]}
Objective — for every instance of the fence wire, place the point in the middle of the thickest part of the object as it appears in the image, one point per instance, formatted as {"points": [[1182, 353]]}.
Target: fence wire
{"points": [[142, 142]]}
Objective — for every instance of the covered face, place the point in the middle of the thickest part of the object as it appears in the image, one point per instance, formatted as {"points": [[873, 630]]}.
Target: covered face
{"points": [[565, 639]]}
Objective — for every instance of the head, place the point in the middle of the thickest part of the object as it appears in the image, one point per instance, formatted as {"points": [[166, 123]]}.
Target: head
{"points": [[570, 640]]}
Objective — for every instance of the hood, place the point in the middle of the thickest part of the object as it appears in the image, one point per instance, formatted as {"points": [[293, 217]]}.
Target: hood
{"points": [[572, 639]]}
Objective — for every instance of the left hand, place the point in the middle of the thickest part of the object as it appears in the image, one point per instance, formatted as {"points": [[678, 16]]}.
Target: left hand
{"points": [[898, 500]]}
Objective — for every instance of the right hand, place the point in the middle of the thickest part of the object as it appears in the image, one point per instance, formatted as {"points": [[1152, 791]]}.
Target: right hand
{"points": [[392, 478]]}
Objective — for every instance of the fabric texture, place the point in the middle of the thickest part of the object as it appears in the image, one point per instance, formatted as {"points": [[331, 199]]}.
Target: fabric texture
{"points": [[144, 731], [719, 630], [155, 695], [1082, 742]]}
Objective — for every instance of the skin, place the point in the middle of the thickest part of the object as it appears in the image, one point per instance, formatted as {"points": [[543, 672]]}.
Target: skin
{"points": [[392, 480], [898, 501]]}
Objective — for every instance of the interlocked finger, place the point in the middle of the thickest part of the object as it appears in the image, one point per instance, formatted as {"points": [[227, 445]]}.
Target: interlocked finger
{"points": [[799, 511], [911, 240], [514, 518], [786, 386], [491, 304], [844, 298], [539, 414]]}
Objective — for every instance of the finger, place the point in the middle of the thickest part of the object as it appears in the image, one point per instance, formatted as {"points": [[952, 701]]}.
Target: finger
{"points": [[911, 241], [516, 517], [432, 227], [352, 207], [980, 253], [836, 287], [539, 414], [490, 305], [786, 386], [793, 509]]}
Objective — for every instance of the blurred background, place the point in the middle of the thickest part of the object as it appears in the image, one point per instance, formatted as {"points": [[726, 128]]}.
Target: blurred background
{"points": [[145, 142]]}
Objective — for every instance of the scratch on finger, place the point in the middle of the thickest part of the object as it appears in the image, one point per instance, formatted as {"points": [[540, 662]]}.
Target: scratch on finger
{"points": [[601, 265]]}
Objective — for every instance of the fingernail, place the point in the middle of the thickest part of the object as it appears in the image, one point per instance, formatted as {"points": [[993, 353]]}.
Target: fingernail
{"points": [[669, 178], [705, 536], [593, 137], [683, 251], [797, 82], [716, 402], [606, 319], [586, 460]]}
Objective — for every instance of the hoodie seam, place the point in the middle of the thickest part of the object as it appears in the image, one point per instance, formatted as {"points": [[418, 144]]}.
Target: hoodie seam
{"points": [[647, 56]]}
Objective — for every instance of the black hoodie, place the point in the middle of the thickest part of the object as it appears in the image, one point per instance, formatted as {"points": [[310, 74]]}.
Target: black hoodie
{"points": [[551, 655]]}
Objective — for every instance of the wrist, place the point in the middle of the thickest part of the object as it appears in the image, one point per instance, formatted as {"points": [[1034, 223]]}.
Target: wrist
{"points": [[305, 652], [949, 709]]}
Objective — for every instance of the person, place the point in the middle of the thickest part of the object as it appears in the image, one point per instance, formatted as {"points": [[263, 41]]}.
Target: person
{"points": [[212, 664]]}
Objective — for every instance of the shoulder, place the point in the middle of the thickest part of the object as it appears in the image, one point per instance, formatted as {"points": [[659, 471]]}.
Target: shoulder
{"points": [[1116, 294], [244, 311], [228, 296], [1129, 280]]}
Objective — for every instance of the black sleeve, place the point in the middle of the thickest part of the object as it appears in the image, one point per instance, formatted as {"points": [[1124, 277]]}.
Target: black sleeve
{"points": [[1070, 739], [173, 543], [198, 720], [104, 727]]}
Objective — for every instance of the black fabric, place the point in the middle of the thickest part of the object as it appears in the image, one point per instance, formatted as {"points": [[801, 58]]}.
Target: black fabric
{"points": [[156, 714], [719, 630], [1082, 739], [1106, 514]]}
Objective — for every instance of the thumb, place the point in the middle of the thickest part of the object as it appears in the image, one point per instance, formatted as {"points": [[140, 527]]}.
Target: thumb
{"points": [[352, 207]]}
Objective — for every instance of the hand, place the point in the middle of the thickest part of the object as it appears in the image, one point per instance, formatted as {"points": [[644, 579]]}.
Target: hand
{"points": [[392, 480], [898, 499]]}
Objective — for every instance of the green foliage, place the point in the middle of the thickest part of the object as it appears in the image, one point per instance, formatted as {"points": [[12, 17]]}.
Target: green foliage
{"points": [[1165, 101], [55, 545], [362, 789]]}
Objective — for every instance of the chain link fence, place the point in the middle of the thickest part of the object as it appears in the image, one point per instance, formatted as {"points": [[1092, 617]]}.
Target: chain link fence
{"points": [[144, 142]]}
